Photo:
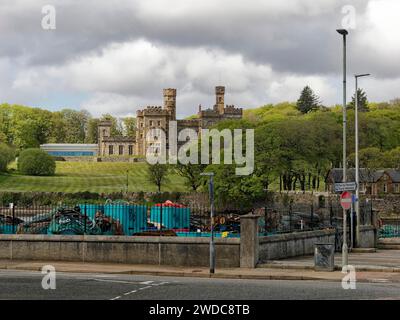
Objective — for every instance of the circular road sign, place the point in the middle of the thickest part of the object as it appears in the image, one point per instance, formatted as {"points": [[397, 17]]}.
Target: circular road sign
{"points": [[345, 200]]}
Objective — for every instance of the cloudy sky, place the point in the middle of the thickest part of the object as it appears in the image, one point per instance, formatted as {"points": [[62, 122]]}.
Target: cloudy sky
{"points": [[116, 56]]}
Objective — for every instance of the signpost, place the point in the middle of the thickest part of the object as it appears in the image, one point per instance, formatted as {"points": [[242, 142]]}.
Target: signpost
{"points": [[345, 186], [346, 199]]}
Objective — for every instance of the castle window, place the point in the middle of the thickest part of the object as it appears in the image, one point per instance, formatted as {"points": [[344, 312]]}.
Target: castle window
{"points": [[121, 150], [141, 124], [151, 122], [110, 150], [130, 150], [159, 123], [385, 188]]}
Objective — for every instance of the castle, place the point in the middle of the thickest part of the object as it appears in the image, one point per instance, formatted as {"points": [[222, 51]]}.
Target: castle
{"points": [[158, 117]]}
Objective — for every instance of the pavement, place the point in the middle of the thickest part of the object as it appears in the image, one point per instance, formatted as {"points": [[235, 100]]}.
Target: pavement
{"points": [[295, 269], [367, 260], [27, 285]]}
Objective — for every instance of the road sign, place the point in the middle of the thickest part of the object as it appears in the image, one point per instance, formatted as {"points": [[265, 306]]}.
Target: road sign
{"points": [[346, 200], [345, 186]]}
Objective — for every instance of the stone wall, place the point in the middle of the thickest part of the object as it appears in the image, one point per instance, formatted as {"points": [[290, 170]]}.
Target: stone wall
{"points": [[175, 251], [292, 244]]}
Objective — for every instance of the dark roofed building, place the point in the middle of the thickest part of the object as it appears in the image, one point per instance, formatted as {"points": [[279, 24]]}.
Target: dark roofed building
{"points": [[372, 182]]}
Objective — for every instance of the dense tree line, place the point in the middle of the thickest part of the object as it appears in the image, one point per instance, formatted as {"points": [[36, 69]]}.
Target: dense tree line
{"points": [[26, 127]]}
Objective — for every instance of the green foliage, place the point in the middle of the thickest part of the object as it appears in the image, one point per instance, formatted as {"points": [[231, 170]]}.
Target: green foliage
{"points": [[308, 100], [191, 173], [158, 174], [129, 126], [6, 156], [36, 162], [362, 101]]}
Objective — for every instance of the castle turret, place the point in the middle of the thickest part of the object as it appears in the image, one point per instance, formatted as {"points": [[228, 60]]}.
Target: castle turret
{"points": [[104, 128], [220, 99], [104, 131], [170, 102]]}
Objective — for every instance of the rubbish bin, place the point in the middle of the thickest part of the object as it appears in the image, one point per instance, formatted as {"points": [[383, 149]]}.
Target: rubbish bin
{"points": [[324, 257]]}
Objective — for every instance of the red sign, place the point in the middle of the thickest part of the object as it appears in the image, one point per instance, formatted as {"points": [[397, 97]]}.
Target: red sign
{"points": [[345, 200]]}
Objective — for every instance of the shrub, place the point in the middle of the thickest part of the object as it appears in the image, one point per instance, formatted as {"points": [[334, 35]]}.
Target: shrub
{"points": [[6, 156], [36, 162]]}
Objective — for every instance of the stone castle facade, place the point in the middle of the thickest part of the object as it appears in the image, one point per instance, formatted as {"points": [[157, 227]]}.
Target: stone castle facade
{"points": [[158, 118]]}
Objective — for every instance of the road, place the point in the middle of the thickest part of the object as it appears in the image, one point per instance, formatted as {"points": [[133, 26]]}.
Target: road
{"points": [[69, 286]]}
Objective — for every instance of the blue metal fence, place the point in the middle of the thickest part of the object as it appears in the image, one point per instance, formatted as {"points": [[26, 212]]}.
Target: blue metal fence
{"points": [[115, 219]]}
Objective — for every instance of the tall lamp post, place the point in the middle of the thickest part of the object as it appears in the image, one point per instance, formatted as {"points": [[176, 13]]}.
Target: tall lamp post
{"points": [[344, 33], [357, 204], [212, 244]]}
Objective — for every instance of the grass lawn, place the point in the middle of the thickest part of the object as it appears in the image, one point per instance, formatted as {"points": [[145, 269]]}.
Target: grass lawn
{"points": [[97, 177]]}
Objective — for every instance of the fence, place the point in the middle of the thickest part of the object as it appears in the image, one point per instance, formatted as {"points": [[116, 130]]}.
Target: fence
{"points": [[280, 218], [117, 219], [120, 218]]}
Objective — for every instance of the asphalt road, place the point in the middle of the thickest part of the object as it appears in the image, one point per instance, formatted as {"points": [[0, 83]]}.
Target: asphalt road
{"points": [[16, 285]]}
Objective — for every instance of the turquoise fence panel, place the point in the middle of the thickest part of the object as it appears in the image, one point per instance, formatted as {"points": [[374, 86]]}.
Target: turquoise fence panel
{"points": [[7, 229], [91, 209], [172, 218], [133, 218]]}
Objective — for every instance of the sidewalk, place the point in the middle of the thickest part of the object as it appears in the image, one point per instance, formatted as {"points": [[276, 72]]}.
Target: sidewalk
{"points": [[232, 273], [379, 261]]}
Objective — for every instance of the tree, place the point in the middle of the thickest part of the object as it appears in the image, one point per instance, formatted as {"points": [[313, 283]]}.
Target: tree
{"points": [[362, 101], [92, 131], [191, 173], [129, 126], [308, 101], [6, 156], [36, 162], [158, 174], [75, 123]]}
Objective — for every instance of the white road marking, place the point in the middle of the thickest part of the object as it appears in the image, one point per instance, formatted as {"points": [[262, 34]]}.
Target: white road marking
{"points": [[145, 288], [115, 281], [146, 282], [379, 280]]}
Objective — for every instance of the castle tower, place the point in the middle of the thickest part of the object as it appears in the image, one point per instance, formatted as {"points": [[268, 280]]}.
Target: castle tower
{"points": [[170, 102], [104, 131], [220, 99]]}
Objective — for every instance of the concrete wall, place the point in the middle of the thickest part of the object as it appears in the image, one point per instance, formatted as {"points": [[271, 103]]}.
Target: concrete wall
{"points": [[175, 251], [292, 244], [368, 237]]}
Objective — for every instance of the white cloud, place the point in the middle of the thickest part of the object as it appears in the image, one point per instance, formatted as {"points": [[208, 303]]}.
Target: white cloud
{"points": [[117, 56]]}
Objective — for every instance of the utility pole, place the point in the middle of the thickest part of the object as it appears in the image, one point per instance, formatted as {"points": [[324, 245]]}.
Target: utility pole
{"points": [[212, 244], [357, 204], [344, 33]]}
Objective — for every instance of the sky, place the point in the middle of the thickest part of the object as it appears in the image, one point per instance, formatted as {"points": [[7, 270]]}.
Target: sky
{"points": [[116, 56]]}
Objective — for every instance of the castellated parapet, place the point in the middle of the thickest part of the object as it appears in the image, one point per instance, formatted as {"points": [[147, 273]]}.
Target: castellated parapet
{"points": [[159, 117], [170, 102]]}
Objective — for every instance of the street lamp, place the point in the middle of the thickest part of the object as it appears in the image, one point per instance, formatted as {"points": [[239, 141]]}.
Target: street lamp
{"points": [[344, 33], [127, 180], [212, 244], [357, 159]]}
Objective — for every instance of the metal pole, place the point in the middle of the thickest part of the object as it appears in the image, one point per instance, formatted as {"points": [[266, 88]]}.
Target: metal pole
{"points": [[357, 164], [344, 247], [212, 244], [351, 227], [357, 168]]}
